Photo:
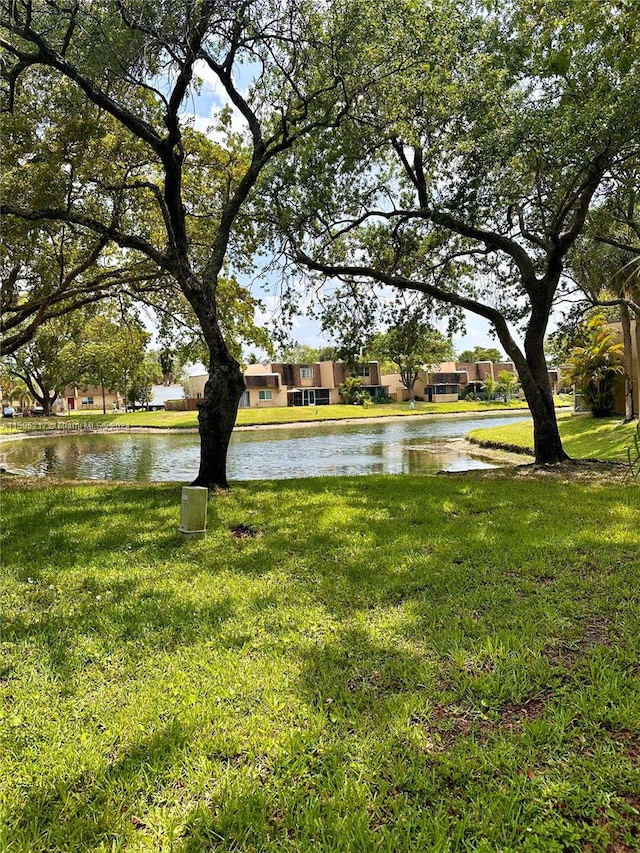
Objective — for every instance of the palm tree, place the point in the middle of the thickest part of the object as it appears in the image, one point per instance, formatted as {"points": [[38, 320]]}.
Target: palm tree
{"points": [[594, 367], [490, 387], [507, 384]]}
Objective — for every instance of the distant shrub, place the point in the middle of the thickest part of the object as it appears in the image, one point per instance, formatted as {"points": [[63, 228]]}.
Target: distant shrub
{"points": [[352, 392], [176, 405], [595, 367]]}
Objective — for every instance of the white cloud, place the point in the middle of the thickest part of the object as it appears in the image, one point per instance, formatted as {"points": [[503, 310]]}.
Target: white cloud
{"points": [[215, 98], [211, 82]]}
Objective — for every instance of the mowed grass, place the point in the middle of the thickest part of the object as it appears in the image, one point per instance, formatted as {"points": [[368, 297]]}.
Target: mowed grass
{"points": [[256, 417], [583, 436], [394, 664]]}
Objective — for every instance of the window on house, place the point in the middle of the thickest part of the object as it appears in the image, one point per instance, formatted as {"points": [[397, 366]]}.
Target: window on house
{"points": [[363, 370], [87, 401], [306, 373], [264, 394]]}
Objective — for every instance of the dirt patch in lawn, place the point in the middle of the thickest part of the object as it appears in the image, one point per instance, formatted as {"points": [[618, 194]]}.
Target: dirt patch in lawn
{"points": [[575, 470], [449, 725]]}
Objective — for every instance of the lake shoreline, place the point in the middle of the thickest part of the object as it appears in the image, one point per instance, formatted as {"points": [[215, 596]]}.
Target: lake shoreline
{"points": [[350, 445], [524, 413]]}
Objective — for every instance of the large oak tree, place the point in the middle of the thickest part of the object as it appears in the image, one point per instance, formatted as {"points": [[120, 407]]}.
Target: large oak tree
{"points": [[138, 63], [470, 177]]}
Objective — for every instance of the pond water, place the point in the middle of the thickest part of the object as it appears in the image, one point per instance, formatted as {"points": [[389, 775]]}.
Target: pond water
{"points": [[416, 446]]}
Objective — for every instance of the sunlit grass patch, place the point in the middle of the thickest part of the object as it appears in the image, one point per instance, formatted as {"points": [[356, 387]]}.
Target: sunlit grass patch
{"points": [[583, 437], [401, 663]]}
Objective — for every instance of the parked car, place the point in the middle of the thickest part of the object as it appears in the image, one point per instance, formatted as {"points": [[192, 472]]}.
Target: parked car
{"points": [[36, 411], [8, 412]]}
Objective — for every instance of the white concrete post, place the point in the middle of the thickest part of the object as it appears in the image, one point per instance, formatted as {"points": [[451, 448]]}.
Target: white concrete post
{"points": [[193, 512]]}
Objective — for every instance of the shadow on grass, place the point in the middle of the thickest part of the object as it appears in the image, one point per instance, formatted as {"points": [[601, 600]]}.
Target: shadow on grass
{"points": [[53, 528], [97, 809], [379, 594], [350, 676], [140, 621]]}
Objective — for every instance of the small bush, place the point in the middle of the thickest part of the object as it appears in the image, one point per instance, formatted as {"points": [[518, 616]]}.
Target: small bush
{"points": [[352, 392]]}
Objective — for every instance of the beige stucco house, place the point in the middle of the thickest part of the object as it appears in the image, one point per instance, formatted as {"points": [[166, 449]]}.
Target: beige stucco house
{"points": [[451, 378], [87, 399], [445, 384], [280, 384], [635, 369]]}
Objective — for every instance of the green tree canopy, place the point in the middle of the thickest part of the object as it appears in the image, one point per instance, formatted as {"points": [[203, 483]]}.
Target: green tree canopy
{"points": [[469, 176], [46, 364], [139, 64], [51, 266], [148, 372], [110, 351], [481, 354], [297, 353], [412, 345]]}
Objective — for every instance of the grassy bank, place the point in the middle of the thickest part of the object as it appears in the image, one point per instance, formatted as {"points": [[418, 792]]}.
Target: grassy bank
{"points": [[258, 417], [583, 437], [433, 663]]}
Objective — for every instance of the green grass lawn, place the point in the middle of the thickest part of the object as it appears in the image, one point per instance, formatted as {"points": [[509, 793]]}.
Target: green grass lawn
{"points": [[582, 436], [257, 417], [443, 663]]}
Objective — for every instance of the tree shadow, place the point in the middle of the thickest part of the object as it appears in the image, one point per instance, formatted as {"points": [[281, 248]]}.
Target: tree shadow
{"points": [[92, 810], [455, 563]]}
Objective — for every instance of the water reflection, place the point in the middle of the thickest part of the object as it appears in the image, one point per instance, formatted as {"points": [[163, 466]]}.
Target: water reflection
{"points": [[399, 446]]}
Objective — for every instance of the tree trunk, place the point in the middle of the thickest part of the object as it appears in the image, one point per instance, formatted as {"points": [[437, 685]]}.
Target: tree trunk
{"points": [[44, 396], [547, 444], [548, 449], [534, 379], [625, 318], [48, 399], [409, 379], [217, 412], [104, 401]]}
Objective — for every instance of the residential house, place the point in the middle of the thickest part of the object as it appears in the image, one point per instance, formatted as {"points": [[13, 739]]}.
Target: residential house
{"points": [[88, 398], [281, 384], [635, 368], [452, 378]]}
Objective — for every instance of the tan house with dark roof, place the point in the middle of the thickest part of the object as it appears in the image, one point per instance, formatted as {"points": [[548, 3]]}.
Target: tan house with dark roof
{"points": [[452, 378], [281, 384]]}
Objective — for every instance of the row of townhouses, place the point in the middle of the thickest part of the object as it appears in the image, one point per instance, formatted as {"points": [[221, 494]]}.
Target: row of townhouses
{"points": [[297, 384], [319, 384]]}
